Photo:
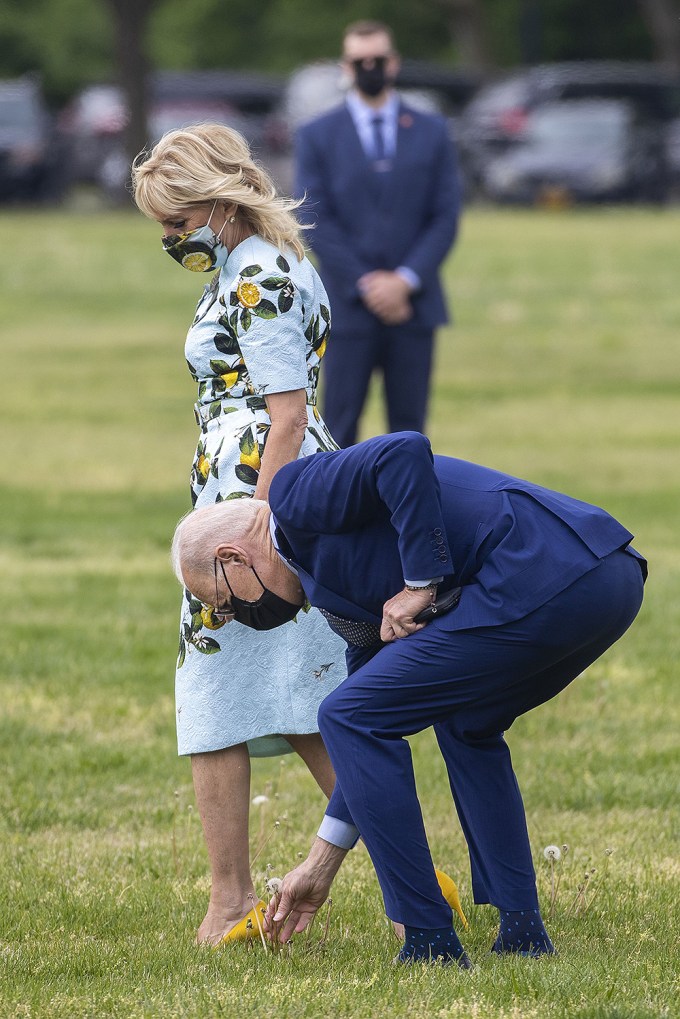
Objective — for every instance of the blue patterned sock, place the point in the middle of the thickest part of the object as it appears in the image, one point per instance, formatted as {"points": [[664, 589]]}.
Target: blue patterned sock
{"points": [[438, 945], [522, 931]]}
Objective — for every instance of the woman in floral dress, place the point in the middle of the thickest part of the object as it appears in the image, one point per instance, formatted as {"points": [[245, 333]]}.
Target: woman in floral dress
{"points": [[254, 348]]}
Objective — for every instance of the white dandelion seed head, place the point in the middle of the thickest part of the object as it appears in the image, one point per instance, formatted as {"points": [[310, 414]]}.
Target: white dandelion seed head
{"points": [[552, 853], [565, 849], [258, 801], [273, 885], [608, 852]]}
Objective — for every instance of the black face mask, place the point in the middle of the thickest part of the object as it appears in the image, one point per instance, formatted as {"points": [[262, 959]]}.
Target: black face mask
{"points": [[268, 612], [371, 80]]}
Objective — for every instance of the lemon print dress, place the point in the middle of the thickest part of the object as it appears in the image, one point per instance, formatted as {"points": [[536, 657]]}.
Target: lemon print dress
{"points": [[261, 327]]}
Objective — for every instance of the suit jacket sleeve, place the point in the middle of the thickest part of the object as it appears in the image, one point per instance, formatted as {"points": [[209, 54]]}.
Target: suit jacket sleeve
{"points": [[391, 477], [329, 240], [439, 231]]}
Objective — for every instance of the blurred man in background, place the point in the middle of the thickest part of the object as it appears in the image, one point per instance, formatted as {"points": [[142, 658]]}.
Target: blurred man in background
{"points": [[382, 190]]}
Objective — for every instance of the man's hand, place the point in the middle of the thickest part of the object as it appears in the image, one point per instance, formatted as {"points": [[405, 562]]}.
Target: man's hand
{"points": [[399, 613], [386, 294], [303, 892]]}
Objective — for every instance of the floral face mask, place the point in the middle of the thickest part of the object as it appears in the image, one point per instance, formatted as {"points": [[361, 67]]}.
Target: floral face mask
{"points": [[199, 250]]}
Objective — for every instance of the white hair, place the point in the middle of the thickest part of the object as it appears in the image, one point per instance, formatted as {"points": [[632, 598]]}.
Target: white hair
{"points": [[198, 534]]}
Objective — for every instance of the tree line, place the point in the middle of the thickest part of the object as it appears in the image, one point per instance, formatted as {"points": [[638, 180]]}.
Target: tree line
{"points": [[71, 43]]}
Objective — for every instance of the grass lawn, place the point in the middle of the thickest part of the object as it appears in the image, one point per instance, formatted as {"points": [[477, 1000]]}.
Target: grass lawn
{"points": [[563, 366]]}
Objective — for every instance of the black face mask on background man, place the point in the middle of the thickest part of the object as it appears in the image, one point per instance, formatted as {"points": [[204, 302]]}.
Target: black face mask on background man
{"points": [[371, 80], [266, 613]]}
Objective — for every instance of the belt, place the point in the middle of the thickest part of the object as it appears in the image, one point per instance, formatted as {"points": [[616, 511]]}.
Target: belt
{"points": [[354, 631]]}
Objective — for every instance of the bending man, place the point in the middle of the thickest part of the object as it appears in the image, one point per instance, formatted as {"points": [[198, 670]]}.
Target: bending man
{"points": [[371, 535]]}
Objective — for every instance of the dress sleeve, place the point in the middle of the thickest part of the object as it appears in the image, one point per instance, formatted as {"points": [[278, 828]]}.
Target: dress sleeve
{"points": [[263, 309]]}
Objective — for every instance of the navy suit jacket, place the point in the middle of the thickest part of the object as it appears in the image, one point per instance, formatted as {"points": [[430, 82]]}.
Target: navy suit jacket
{"points": [[355, 522], [365, 220]]}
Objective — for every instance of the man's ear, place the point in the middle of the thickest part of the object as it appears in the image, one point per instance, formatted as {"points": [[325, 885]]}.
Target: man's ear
{"points": [[232, 555]]}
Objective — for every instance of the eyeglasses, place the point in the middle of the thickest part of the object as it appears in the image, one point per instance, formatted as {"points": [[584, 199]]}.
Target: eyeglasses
{"points": [[225, 612]]}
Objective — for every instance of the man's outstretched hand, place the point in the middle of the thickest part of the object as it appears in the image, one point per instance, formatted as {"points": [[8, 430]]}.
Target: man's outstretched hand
{"points": [[303, 892]]}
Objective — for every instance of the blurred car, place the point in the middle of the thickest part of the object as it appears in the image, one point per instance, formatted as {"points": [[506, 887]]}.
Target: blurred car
{"points": [[673, 153], [581, 150], [496, 116], [251, 96], [29, 156], [113, 171], [92, 125]]}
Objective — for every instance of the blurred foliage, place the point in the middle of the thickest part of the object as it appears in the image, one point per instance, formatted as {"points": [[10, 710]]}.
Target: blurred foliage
{"points": [[70, 43]]}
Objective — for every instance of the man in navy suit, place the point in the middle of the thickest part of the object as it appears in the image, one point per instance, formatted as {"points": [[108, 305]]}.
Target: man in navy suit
{"points": [[370, 534], [382, 190]]}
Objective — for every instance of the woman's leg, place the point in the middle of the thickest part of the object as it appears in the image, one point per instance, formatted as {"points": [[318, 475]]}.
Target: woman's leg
{"points": [[313, 752], [222, 787]]}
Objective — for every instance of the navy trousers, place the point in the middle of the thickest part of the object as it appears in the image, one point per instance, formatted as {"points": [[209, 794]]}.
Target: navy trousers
{"points": [[470, 685], [404, 355]]}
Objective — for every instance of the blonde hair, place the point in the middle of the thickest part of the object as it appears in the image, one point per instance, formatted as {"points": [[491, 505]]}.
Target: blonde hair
{"points": [[206, 162]]}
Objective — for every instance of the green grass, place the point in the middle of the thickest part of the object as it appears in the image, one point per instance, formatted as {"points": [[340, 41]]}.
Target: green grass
{"points": [[563, 366]]}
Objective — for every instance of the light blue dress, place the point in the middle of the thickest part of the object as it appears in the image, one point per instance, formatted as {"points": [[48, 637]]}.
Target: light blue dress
{"points": [[261, 327]]}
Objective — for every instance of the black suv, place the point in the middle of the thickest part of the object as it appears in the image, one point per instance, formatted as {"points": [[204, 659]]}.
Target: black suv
{"points": [[29, 159]]}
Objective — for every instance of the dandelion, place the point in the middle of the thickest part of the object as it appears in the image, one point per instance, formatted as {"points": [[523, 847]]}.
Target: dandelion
{"points": [[565, 849], [553, 854], [273, 885], [275, 827], [258, 921], [259, 802], [608, 852]]}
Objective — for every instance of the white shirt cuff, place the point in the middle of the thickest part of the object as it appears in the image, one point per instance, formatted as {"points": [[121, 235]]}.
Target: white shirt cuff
{"points": [[423, 583], [338, 833]]}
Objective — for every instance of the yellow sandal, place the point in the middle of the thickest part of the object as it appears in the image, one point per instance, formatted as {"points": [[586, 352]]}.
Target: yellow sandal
{"points": [[251, 926]]}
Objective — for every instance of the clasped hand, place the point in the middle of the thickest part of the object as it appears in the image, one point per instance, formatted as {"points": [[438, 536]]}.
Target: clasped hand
{"points": [[399, 614], [387, 296]]}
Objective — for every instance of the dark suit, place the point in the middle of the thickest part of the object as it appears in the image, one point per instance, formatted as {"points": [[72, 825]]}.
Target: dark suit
{"points": [[366, 220], [549, 583]]}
